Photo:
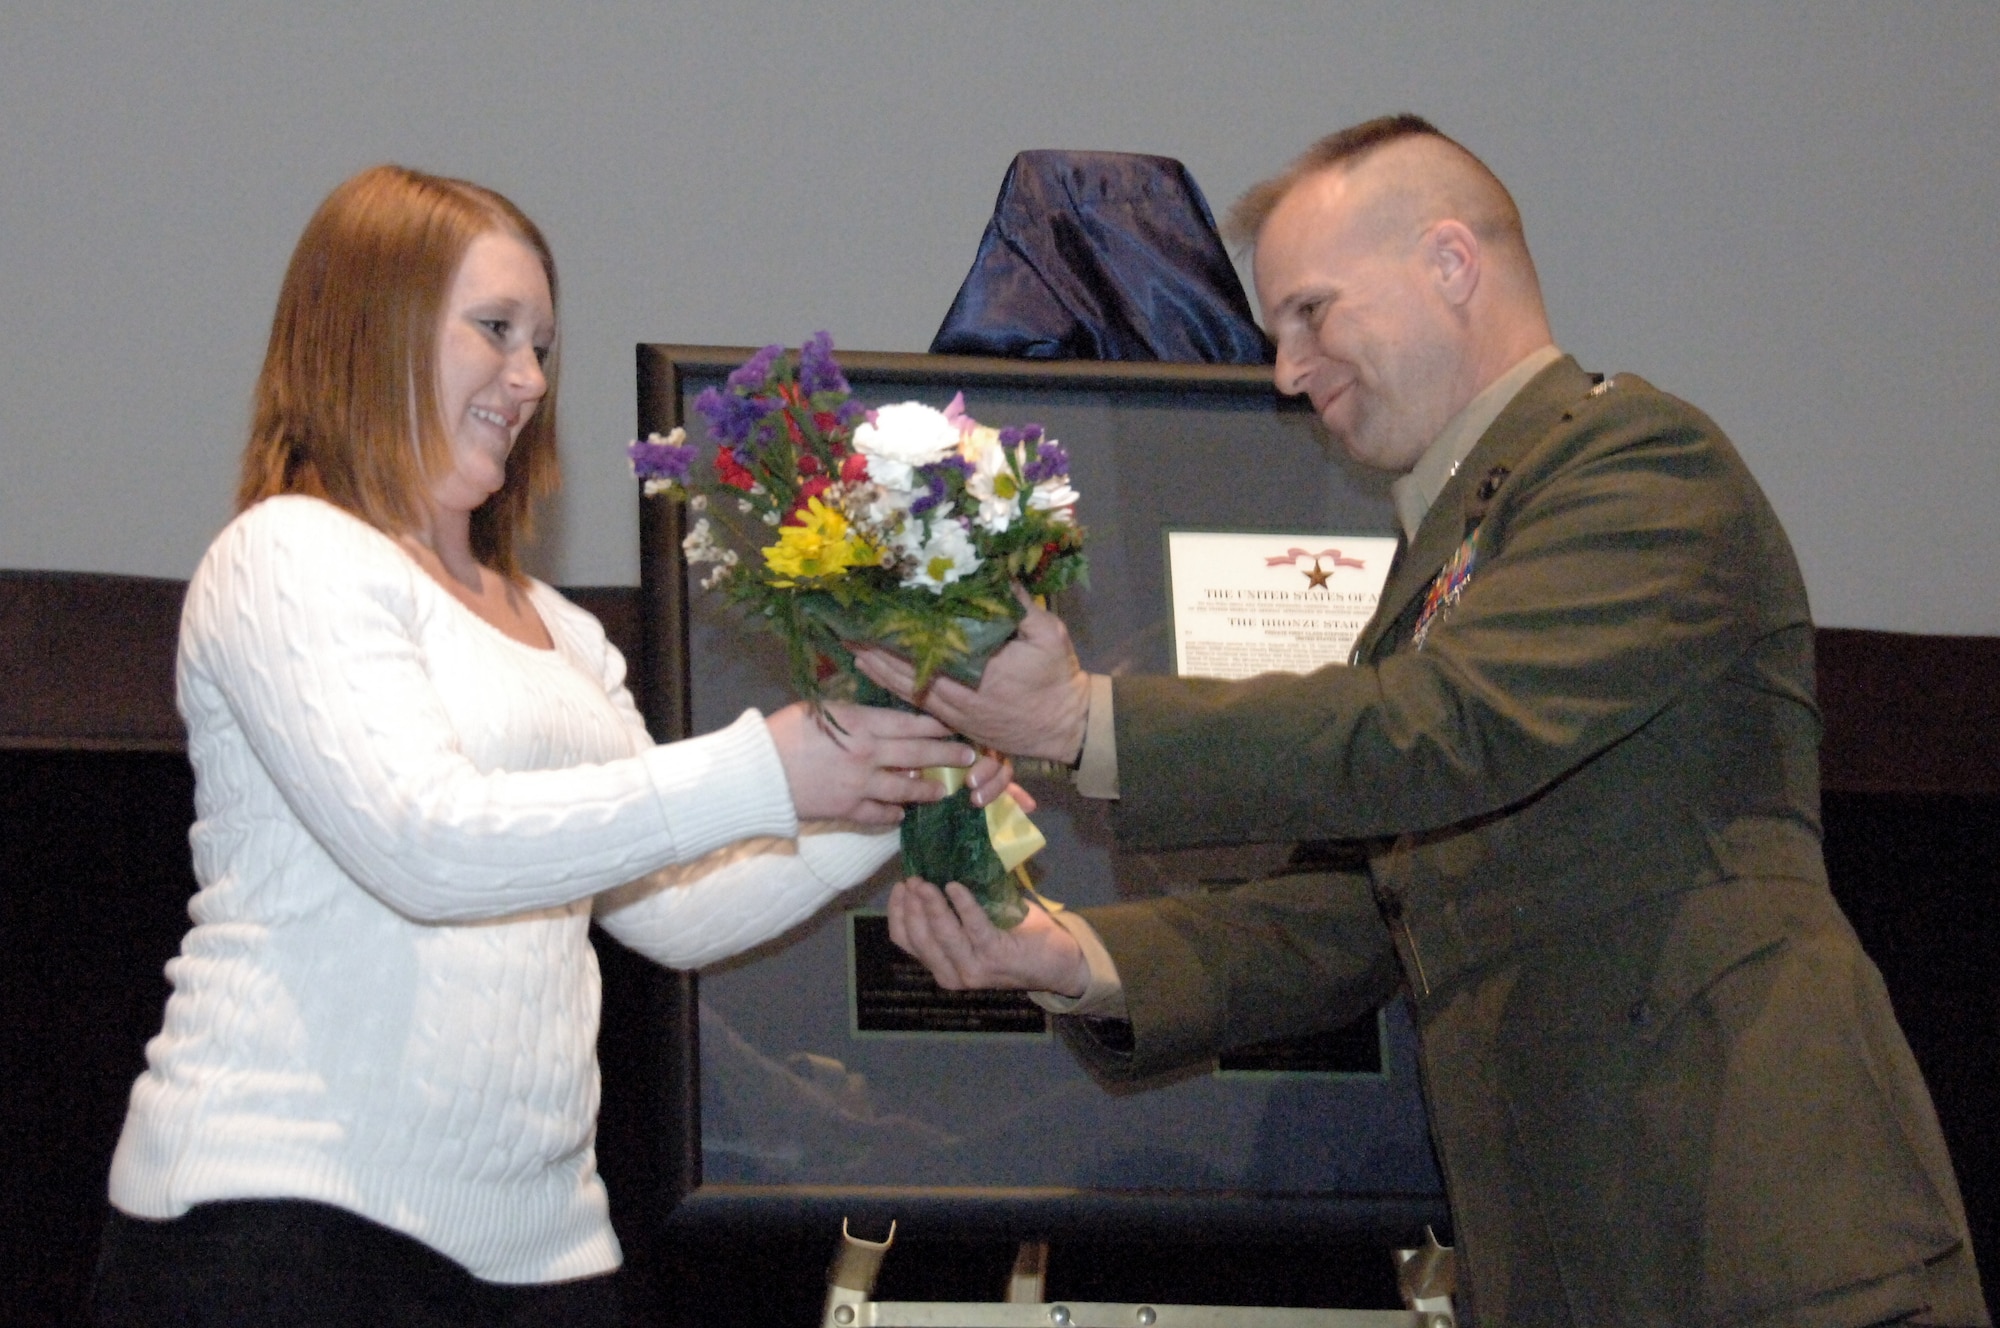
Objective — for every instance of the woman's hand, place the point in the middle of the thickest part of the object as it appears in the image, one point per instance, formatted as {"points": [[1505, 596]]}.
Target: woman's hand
{"points": [[864, 773], [952, 936]]}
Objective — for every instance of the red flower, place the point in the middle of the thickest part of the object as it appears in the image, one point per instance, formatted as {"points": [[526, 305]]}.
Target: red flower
{"points": [[808, 464], [730, 471], [808, 491], [825, 421], [853, 468]]}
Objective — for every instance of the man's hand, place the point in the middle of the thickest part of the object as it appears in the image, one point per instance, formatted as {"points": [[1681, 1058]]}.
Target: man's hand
{"points": [[864, 774], [964, 951], [1033, 700]]}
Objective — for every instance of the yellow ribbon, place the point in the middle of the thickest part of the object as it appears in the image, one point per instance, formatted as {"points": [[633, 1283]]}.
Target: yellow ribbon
{"points": [[1013, 836]]}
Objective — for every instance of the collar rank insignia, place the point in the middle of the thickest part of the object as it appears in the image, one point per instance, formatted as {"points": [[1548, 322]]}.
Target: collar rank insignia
{"points": [[1446, 587]]}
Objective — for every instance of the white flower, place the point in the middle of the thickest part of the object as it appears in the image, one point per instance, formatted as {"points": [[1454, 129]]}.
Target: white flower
{"points": [[992, 479], [876, 514], [1054, 495], [901, 438], [701, 547], [879, 507], [909, 538], [947, 556]]}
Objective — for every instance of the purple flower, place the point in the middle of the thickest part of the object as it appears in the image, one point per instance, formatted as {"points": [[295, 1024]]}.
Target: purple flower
{"points": [[756, 370], [1015, 434], [731, 417], [656, 458], [1051, 462], [851, 412], [818, 371], [937, 482], [937, 491]]}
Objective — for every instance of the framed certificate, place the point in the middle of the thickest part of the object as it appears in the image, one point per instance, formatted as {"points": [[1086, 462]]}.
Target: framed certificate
{"points": [[824, 1077], [1269, 602]]}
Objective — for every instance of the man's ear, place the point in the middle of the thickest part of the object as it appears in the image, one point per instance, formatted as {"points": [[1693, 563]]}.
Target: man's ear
{"points": [[1452, 251]]}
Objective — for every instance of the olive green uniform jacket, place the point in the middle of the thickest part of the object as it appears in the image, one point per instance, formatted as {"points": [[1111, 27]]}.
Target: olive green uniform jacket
{"points": [[1665, 1085]]}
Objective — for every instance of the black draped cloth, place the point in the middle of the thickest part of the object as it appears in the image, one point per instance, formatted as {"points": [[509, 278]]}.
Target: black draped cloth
{"points": [[1102, 256]]}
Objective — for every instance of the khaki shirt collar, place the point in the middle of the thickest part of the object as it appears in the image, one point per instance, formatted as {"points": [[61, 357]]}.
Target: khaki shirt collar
{"points": [[1415, 492]]}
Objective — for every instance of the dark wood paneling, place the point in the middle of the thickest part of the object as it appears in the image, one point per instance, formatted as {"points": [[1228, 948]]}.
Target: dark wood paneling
{"points": [[1909, 714], [87, 662]]}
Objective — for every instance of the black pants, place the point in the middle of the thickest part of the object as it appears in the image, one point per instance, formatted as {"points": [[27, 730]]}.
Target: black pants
{"points": [[287, 1263]]}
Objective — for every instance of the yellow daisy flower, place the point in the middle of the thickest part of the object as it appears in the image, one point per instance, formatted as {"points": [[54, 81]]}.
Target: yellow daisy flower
{"points": [[818, 546]]}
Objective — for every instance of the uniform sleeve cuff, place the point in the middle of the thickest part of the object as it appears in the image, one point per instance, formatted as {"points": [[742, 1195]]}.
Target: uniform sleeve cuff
{"points": [[1097, 765], [1104, 994]]}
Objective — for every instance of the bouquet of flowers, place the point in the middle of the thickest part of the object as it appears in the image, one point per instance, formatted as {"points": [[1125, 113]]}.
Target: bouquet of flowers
{"points": [[903, 526]]}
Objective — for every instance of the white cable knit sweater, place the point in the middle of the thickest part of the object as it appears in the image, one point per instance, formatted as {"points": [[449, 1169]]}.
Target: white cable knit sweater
{"points": [[404, 820]]}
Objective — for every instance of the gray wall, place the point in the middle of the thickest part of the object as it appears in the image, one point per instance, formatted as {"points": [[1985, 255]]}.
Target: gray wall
{"points": [[1789, 214]]}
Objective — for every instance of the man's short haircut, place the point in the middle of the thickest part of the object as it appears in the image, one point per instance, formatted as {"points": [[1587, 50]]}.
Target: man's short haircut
{"points": [[346, 407], [1347, 148]]}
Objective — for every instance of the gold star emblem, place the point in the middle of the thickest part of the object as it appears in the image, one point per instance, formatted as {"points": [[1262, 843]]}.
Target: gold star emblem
{"points": [[1317, 579]]}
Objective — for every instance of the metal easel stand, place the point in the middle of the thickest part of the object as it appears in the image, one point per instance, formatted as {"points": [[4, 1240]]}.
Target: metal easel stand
{"points": [[1424, 1275]]}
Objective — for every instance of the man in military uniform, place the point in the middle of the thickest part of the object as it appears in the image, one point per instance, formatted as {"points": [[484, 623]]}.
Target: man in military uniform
{"points": [[1566, 796]]}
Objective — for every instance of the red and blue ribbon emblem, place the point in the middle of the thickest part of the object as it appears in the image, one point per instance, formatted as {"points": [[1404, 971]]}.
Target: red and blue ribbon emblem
{"points": [[1446, 587]]}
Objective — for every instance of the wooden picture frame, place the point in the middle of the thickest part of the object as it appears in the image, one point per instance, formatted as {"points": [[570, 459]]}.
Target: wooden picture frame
{"points": [[1152, 445]]}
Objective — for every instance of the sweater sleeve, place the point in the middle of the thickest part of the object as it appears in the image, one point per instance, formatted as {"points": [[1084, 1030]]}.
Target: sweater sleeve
{"points": [[302, 619], [740, 896]]}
